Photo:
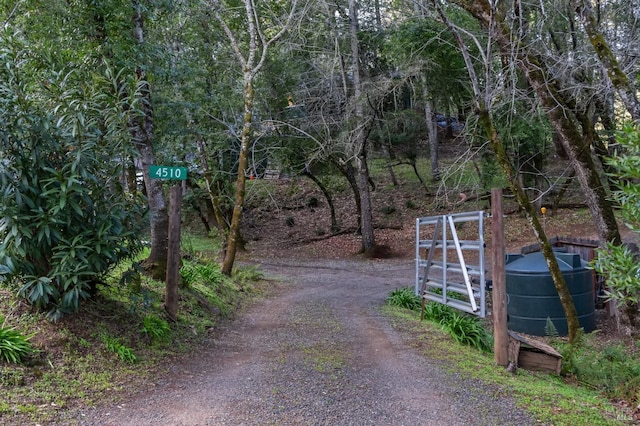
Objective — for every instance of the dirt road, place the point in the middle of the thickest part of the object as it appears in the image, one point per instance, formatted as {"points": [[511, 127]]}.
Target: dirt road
{"points": [[318, 352]]}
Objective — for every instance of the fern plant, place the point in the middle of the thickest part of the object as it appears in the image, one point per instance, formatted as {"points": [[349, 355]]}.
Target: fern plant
{"points": [[123, 352], [156, 328]]}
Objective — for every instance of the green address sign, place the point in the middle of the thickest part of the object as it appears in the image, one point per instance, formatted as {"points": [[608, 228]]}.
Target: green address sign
{"points": [[168, 172]]}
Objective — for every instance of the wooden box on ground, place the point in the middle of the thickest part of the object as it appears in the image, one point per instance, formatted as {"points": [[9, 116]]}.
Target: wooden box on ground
{"points": [[530, 354]]}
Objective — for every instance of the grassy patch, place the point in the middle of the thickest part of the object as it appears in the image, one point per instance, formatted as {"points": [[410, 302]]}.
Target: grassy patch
{"points": [[547, 397]]}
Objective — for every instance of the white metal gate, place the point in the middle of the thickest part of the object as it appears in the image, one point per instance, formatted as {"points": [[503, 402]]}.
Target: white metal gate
{"points": [[455, 283]]}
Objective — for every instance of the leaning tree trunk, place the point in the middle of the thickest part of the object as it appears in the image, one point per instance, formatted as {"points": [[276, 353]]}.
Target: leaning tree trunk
{"points": [[349, 172], [221, 223], [573, 324], [414, 166], [505, 163], [551, 96], [620, 80]]}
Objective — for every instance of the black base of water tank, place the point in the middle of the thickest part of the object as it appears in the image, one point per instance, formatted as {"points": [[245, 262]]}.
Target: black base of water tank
{"points": [[538, 326]]}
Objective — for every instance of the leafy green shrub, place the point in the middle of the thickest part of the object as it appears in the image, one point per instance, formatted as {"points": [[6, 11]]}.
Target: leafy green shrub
{"points": [[464, 328], [64, 217], [617, 263], [405, 298], [156, 328], [14, 346], [436, 312], [612, 370], [467, 330], [209, 273]]}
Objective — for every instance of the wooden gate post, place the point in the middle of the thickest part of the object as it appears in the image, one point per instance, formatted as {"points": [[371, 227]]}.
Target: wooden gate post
{"points": [[499, 294], [173, 255]]}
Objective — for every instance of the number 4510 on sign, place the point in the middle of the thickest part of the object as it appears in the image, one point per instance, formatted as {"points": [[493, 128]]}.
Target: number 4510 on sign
{"points": [[167, 172]]}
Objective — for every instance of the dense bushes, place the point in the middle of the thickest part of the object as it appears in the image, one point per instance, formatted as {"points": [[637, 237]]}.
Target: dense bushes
{"points": [[64, 217]]}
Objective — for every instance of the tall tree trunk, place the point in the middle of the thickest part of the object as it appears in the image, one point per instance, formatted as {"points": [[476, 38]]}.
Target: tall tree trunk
{"points": [[433, 138], [359, 138], [233, 238], [251, 62], [142, 135], [368, 238]]}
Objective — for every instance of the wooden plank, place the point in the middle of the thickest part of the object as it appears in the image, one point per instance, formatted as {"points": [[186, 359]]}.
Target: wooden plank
{"points": [[514, 351], [531, 360], [535, 344]]}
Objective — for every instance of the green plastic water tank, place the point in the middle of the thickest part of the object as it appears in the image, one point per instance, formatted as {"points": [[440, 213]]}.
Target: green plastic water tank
{"points": [[532, 297]]}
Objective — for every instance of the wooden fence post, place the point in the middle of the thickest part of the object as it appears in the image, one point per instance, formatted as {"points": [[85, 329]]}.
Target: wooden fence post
{"points": [[499, 293], [173, 255]]}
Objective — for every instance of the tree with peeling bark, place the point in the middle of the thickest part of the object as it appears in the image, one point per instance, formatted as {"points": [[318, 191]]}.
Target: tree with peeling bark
{"points": [[250, 43]]}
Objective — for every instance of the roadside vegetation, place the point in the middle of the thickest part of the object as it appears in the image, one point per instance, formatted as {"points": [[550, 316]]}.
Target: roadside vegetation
{"points": [[119, 338], [599, 383]]}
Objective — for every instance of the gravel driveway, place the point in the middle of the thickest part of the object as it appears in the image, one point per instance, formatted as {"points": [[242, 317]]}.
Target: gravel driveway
{"points": [[318, 352]]}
